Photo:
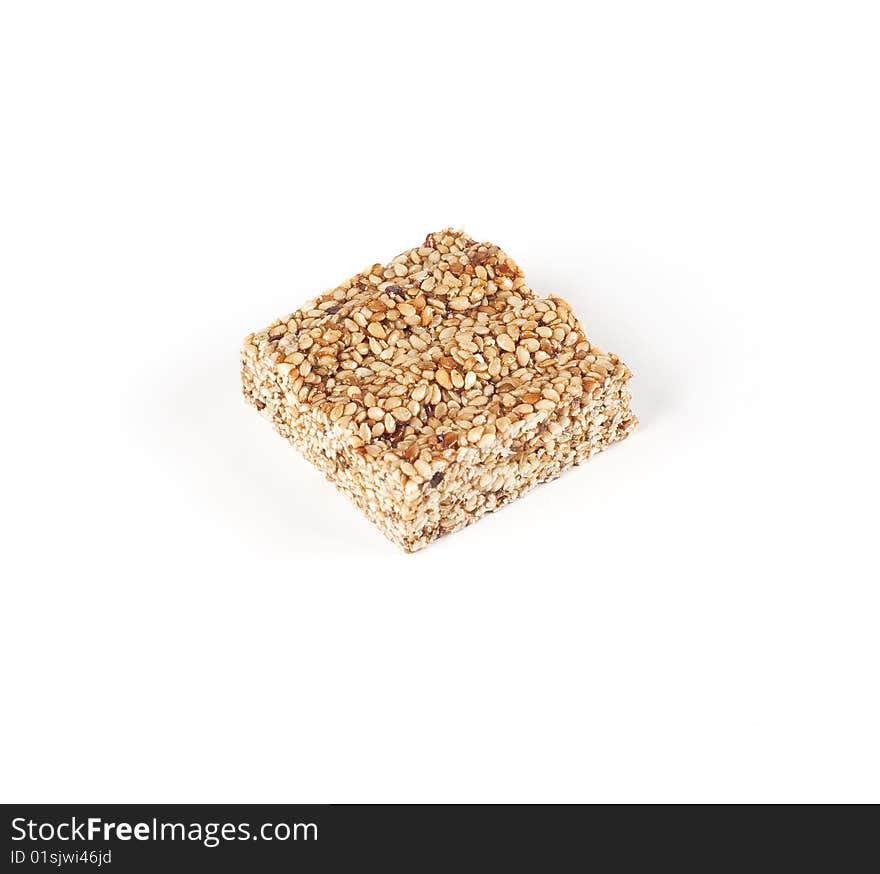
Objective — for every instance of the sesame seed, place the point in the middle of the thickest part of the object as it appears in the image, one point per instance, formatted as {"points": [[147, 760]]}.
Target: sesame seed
{"points": [[443, 378], [505, 342]]}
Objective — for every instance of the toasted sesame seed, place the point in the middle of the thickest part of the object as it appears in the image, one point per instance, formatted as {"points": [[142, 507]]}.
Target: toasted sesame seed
{"points": [[443, 378], [505, 342]]}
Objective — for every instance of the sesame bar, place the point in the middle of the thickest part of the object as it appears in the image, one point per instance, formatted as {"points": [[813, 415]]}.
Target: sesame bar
{"points": [[437, 388]]}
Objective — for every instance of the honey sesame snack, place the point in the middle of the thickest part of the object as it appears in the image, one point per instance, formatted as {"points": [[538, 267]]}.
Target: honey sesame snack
{"points": [[437, 388]]}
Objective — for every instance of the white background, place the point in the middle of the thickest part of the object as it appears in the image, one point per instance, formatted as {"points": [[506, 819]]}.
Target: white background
{"points": [[190, 613]]}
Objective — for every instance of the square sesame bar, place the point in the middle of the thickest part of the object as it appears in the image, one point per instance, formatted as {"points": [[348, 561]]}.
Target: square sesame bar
{"points": [[437, 388]]}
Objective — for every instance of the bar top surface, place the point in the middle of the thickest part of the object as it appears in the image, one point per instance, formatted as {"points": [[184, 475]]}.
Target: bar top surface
{"points": [[444, 348]]}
